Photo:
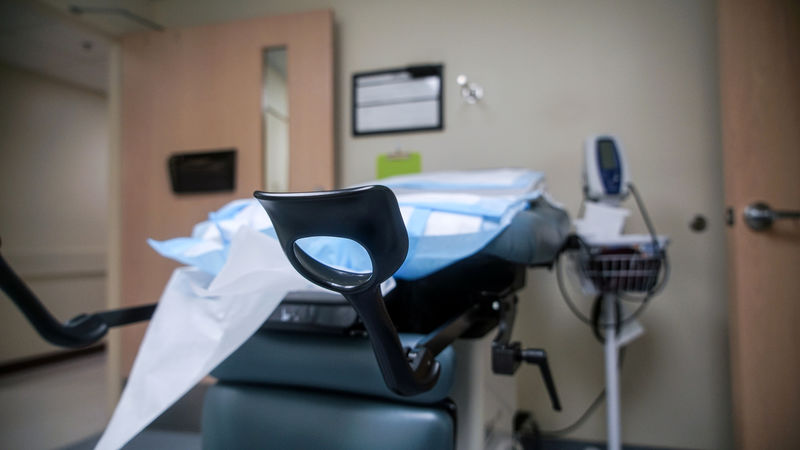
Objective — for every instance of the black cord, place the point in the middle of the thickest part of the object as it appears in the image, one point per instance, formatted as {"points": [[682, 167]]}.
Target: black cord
{"points": [[580, 420], [598, 326], [582, 206], [566, 297], [646, 217], [587, 412], [657, 250], [595, 321], [643, 302], [666, 273]]}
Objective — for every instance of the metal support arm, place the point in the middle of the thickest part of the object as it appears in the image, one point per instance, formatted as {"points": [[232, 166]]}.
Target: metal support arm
{"points": [[81, 330]]}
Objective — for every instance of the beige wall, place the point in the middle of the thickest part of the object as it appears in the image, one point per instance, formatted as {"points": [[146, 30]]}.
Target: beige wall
{"points": [[53, 200], [554, 72]]}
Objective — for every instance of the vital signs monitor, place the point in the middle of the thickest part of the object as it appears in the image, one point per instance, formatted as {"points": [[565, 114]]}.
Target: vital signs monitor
{"points": [[605, 171]]}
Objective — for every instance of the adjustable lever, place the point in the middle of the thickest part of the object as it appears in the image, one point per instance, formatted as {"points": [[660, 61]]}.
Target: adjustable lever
{"points": [[80, 331], [369, 216], [539, 357], [507, 357]]}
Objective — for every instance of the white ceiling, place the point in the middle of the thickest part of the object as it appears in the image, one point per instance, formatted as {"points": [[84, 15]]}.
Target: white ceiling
{"points": [[45, 38], [111, 24]]}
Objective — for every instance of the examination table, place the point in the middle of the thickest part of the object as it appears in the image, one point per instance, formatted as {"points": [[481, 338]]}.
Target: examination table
{"points": [[340, 370], [312, 364]]}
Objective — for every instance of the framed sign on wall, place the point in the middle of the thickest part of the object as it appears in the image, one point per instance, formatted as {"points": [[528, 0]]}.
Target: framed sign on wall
{"points": [[398, 100]]}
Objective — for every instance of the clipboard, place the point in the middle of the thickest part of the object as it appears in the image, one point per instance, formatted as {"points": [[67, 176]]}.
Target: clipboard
{"points": [[398, 163]]}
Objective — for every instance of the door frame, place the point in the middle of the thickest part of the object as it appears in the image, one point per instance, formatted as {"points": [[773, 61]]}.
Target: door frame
{"points": [[311, 167]]}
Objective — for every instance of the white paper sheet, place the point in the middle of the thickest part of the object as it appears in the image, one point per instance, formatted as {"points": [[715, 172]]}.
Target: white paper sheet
{"points": [[199, 321], [601, 221], [442, 223]]}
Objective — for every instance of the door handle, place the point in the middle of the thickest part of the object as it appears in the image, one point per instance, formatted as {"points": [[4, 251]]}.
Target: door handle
{"points": [[759, 216]]}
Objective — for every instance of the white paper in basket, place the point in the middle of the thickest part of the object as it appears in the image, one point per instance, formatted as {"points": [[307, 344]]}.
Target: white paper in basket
{"points": [[199, 321]]}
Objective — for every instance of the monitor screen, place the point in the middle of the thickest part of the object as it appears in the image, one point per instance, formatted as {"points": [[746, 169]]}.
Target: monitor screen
{"points": [[608, 154]]}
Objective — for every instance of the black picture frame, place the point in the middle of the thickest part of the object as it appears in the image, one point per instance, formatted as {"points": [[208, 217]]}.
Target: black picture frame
{"points": [[416, 71]]}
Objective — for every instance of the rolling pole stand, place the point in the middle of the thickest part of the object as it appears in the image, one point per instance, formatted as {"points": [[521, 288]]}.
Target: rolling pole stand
{"points": [[612, 371]]}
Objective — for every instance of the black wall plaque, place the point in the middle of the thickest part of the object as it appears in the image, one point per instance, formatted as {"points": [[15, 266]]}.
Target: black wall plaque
{"points": [[203, 171]]}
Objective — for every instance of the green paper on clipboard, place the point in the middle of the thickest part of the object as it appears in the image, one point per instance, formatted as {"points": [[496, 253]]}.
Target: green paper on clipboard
{"points": [[398, 163]]}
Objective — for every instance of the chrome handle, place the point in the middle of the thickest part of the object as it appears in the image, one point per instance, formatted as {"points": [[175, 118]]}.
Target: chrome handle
{"points": [[759, 216]]}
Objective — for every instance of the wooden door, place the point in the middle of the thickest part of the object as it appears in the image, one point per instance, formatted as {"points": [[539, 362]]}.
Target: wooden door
{"points": [[200, 88], [760, 95]]}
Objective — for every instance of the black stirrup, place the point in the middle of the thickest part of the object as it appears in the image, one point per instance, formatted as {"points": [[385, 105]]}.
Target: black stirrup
{"points": [[370, 216]]}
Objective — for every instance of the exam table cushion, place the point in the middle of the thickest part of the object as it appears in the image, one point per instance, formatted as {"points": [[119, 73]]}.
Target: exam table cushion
{"points": [[449, 217], [245, 417], [534, 237], [335, 363]]}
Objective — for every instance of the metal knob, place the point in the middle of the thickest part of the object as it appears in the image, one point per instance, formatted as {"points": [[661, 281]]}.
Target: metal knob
{"points": [[471, 92], [759, 216]]}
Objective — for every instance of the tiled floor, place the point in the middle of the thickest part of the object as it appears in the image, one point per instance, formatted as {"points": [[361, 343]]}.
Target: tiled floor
{"points": [[63, 406], [55, 405], [150, 440]]}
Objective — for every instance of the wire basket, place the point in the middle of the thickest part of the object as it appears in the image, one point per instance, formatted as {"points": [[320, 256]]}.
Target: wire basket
{"points": [[620, 269]]}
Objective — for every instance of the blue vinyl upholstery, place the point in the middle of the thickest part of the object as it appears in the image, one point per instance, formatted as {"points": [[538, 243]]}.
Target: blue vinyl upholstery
{"points": [[304, 391], [262, 417], [336, 363]]}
